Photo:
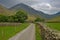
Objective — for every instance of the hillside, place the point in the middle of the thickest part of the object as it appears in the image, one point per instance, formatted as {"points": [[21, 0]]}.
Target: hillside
{"points": [[31, 18], [5, 11], [55, 19], [29, 9], [32, 11]]}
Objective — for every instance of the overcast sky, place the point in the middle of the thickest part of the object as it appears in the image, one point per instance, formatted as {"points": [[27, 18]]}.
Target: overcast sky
{"points": [[47, 6]]}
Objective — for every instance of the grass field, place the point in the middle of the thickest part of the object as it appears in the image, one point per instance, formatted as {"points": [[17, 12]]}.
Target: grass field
{"points": [[55, 26], [38, 37], [8, 31]]}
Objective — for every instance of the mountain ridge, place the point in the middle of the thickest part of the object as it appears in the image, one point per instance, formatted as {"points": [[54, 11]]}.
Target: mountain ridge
{"points": [[31, 10], [5, 11]]}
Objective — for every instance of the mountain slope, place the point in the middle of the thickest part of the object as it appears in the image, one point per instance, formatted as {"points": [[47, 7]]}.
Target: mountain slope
{"points": [[56, 19], [29, 10], [5, 11], [33, 11]]}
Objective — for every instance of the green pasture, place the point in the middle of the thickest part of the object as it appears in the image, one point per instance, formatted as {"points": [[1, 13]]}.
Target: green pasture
{"points": [[38, 36], [55, 26], [8, 31]]}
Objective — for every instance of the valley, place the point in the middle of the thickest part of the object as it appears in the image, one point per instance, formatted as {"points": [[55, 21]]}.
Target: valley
{"points": [[24, 14]]}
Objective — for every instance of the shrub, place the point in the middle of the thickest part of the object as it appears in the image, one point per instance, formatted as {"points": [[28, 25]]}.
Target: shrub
{"points": [[21, 16], [18, 17], [3, 18], [39, 20]]}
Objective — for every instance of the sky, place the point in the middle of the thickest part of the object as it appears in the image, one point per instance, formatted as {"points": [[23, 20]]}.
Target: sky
{"points": [[47, 6]]}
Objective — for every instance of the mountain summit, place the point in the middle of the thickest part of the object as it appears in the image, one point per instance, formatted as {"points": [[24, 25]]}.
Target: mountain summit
{"points": [[32, 11]]}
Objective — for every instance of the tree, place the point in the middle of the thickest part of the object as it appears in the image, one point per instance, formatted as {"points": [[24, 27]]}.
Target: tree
{"points": [[3, 18], [39, 20], [21, 16], [18, 17]]}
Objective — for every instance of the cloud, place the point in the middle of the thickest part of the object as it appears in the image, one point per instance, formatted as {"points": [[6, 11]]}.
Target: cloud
{"points": [[55, 3], [9, 3], [50, 9], [46, 7]]}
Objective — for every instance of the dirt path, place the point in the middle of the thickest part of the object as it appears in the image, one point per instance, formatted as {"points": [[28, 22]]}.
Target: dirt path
{"points": [[26, 34]]}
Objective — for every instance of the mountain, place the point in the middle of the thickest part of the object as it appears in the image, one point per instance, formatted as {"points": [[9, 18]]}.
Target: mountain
{"points": [[29, 10], [56, 18], [5, 11], [32, 11], [57, 14]]}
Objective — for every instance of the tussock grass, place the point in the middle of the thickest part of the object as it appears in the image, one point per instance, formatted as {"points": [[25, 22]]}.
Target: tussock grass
{"points": [[55, 26], [8, 31], [38, 36]]}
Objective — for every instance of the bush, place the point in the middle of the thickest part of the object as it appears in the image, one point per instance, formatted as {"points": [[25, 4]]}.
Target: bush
{"points": [[3, 18], [18, 17], [21, 16], [39, 20]]}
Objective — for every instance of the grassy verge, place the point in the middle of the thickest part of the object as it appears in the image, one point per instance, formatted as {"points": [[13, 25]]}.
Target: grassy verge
{"points": [[55, 26], [8, 31], [38, 37]]}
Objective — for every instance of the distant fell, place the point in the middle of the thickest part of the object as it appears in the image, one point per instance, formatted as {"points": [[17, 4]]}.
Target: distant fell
{"points": [[29, 10], [33, 11], [5, 11]]}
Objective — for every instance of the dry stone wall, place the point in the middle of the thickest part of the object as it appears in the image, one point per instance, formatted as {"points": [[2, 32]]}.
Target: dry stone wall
{"points": [[9, 24], [48, 34]]}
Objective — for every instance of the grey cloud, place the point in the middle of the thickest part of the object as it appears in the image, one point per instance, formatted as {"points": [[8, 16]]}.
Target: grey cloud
{"points": [[9, 3], [55, 4]]}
